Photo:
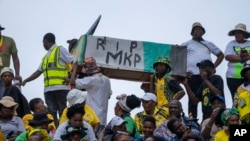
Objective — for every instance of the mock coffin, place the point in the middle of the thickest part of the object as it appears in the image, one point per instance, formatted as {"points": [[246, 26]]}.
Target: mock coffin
{"points": [[129, 59]]}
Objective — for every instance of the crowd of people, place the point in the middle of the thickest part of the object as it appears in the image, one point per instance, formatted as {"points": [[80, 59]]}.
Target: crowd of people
{"points": [[77, 95]]}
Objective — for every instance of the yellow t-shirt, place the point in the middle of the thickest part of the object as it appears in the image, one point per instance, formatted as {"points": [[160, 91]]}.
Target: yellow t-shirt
{"points": [[161, 99], [160, 115], [89, 116], [221, 136], [28, 117]]}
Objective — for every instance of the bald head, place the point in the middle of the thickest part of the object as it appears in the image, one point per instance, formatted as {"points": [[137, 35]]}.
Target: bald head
{"points": [[175, 108], [176, 102]]}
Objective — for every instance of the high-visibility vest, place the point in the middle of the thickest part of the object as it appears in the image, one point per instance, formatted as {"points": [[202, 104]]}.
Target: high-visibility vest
{"points": [[54, 72]]}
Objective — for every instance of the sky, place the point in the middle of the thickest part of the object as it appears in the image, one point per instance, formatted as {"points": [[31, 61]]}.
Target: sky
{"points": [[161, 21]]}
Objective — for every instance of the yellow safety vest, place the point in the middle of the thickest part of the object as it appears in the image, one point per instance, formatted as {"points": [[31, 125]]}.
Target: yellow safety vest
{"points": [[54, 73]]}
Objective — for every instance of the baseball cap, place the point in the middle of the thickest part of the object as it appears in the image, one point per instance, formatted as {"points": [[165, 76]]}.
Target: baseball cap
{"points": [[76, 96], [205, 63], [116, 121], [218, 97], [149, 96]]}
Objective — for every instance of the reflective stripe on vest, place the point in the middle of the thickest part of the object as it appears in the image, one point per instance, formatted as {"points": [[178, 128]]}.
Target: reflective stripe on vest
{"points": [[54, 73]]}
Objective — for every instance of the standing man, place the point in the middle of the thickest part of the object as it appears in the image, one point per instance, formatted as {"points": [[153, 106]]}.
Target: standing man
{"points": [[165, 87], [97, 85], [7, 50], [54, 69], [211, 85], [198, 49]]}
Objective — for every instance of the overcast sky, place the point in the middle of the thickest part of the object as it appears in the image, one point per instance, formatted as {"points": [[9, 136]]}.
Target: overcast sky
{"points": [[161, 21]]}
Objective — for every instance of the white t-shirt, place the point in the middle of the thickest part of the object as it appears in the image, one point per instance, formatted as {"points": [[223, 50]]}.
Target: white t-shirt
{"points": [[233, 48], [99, 91], [61, 130], [196, 52]]}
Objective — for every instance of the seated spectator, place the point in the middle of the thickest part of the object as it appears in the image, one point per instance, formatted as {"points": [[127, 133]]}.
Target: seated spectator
{"points": [[117, 125], [74, 133], [76, 96], [148, 127], [121, 136], [155, 138], [242, 95], [74, 115], [175, 111], [123, 108], [37, 106], [37, 134], [209, 128], [229, 117], [180, 129], [39, 123], [150, 109], [191, 137], [11, 125], [7, 76]]}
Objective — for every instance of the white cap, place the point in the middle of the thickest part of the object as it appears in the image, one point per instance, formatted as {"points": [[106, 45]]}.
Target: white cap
{"points": [[149, 96], [6, 69], [116, 121], [76, 96]]}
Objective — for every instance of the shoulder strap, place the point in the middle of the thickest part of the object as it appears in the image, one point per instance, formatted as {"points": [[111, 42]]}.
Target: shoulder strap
{"points": [[204, 45]]}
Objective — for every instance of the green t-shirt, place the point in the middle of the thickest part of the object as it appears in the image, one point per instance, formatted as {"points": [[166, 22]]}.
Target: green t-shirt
{"points": [[131, 126], [23, 137], [6, 49]]}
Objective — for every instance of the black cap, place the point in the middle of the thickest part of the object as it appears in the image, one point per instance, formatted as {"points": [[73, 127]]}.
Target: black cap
{"points": [[205, 63]]}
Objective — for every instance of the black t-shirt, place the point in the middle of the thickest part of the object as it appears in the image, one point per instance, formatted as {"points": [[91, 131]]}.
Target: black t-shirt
{"points": [[204, 94]]}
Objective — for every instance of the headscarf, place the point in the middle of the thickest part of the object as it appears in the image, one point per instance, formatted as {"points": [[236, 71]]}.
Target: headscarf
{"points": [[122, 102], [42, 131], [228, 113], [128, 103]]}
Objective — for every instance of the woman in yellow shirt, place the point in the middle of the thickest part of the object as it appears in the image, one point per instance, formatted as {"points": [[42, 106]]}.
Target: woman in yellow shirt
{"points": [[228, 117]]}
